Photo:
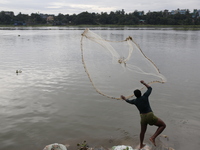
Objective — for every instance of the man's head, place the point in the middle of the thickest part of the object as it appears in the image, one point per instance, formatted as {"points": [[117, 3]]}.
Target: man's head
{"points": [[137, 93]]}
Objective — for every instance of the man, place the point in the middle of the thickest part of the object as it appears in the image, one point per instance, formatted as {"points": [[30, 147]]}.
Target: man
{"points": [[146, 114]]}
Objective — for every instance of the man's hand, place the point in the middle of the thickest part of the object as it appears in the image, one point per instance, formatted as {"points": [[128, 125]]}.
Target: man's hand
{"points": [[144, 83], [123, 97]]}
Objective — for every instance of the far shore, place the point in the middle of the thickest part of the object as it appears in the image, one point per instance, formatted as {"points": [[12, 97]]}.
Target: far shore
{"points": [[175, 27]]}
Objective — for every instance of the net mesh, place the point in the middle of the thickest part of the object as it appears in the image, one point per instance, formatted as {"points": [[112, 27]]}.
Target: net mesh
{"points": [[115, 67]]}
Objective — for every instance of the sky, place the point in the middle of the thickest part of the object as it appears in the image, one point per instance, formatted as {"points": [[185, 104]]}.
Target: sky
{"points": [[97, 6]]}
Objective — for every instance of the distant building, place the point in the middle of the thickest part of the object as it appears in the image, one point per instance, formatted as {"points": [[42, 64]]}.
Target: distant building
{"points": [[50, 18], [142, 21], [10, 13], [196, 13], [47, 17], [141, 13], [19, 23], [44, 16], [173, 12], [180, 11]]}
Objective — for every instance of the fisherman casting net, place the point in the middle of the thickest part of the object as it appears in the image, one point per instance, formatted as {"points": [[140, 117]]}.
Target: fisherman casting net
{"points": [[116, 67]]}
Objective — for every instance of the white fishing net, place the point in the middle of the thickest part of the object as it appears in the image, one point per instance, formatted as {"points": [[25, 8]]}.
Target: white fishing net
{"points": [[116, 67]]}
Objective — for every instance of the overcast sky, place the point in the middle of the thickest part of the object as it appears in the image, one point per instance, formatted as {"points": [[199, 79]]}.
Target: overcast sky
{"points": [[77, 6]]}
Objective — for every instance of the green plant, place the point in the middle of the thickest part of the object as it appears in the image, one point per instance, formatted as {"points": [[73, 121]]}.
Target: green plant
{"points": [[83, 146]]}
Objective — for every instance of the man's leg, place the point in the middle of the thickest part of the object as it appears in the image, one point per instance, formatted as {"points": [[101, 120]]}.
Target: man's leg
{"points": [[161, 126], [142, 133]]}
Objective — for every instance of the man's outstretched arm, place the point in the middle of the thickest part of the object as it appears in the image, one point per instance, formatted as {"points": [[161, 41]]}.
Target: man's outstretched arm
{"points": [[123, 97], [149, 89]]}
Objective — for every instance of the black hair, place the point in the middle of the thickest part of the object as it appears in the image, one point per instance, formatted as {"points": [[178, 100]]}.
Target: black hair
{"points": [[137, 93]]}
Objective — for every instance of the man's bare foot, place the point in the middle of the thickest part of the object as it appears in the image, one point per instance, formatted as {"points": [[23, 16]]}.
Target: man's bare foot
{"points": [[141, 146], [153, 141]]}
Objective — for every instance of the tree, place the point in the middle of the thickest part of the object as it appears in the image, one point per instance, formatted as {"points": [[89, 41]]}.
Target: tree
{"points": [[103, 18], [118, 17], [37, 19], [84, 18], [21, 18], [5, 19]]}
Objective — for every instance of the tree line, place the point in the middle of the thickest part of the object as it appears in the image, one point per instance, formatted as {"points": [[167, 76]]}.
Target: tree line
{"points": [[118, 17]]}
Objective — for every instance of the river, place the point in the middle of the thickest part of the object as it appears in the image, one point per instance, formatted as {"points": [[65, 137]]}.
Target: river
{"points": [[53, 101]]}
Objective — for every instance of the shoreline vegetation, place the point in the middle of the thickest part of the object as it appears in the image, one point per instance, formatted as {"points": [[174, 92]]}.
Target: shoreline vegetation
{"points": [[174, 27]]}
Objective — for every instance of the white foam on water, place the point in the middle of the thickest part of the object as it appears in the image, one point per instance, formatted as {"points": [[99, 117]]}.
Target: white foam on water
{"points": [[126, 147], [55, 146]]}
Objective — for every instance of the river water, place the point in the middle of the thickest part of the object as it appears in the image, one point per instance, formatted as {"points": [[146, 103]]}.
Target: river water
{"points": [[52, 100]]}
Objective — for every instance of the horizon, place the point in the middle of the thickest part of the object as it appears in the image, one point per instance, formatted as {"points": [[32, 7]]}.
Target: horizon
{"points": [[77, 6], [97, 12]]}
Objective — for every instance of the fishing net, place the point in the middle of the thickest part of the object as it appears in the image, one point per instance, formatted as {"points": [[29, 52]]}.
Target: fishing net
{"points": [[116, 67]]}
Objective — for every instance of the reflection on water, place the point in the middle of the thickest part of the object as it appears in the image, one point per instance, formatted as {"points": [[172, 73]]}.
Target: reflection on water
{"points": [[84, 27], [53, 101]]}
